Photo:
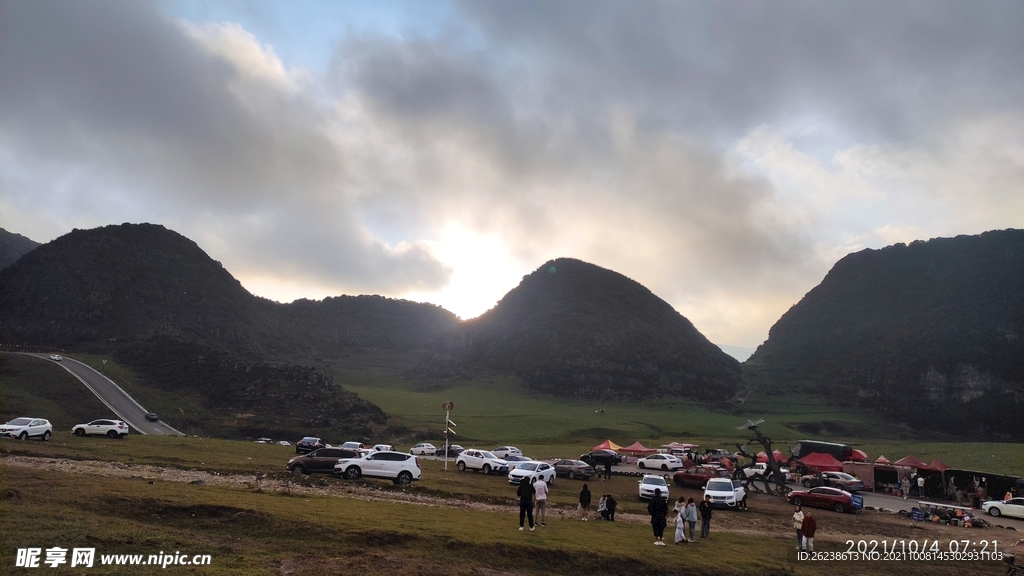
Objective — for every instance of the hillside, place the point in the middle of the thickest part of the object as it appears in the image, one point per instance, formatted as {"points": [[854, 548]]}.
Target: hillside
{"points": [[161, 306], [573, 329], [931, 333], [13, 246]]}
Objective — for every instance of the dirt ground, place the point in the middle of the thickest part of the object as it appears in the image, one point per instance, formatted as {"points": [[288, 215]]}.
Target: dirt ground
{"points": [[766, 516]]}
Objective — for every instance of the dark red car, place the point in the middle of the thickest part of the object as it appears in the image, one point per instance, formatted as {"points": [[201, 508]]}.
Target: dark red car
{"points": [[824, 497], [698, 476]]}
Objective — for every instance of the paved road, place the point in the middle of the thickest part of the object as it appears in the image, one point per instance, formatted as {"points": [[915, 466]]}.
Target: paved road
{"points": [[114, 397]]}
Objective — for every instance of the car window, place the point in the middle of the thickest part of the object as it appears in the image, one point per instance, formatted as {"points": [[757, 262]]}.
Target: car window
{"points": [[20, 422], [488, 455], [720, 485], [654, 481]]}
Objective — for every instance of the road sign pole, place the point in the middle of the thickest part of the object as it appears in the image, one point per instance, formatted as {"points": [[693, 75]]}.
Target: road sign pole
{"points": [[447, 413]]}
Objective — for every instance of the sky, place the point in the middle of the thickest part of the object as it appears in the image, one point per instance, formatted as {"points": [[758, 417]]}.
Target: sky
{"points": [[723, 154]]}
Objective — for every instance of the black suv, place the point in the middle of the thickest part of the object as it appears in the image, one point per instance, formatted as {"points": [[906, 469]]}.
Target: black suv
{"points": [[308, 444], [602, 458], [322, 460]]}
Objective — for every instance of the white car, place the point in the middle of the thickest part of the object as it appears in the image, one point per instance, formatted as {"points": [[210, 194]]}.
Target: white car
{"points": [[109, 428], [725, 492], [283, 443], [56, 357], [474, 459], [530, 470], [1014, 507], [25, 428], [353, 446], [506, 451], [660, 462], [649, 483], [762, 469], [399, 467], [382, 448], [423, 449]]}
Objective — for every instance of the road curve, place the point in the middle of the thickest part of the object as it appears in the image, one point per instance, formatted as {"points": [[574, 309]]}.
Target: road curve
{"points": [[114, 397]]}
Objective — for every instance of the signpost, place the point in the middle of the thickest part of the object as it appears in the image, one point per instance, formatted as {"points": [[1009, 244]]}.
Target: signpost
{"points": [[448, 425]]}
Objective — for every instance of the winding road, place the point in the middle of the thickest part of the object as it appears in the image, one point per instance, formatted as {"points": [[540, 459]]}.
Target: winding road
{"points": [[113, 396]]}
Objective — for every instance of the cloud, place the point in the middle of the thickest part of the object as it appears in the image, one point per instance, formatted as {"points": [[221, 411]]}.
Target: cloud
{"points": [[725, 155]]}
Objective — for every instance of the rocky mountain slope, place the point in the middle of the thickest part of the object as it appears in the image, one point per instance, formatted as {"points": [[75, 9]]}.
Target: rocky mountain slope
{"points": [[13, 246], [574, 329], [931, 333]]}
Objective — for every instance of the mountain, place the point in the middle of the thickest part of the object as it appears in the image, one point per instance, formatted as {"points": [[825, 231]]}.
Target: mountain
{"points": [[13, 246], [931, 333], [574, 329], [161, 306]]}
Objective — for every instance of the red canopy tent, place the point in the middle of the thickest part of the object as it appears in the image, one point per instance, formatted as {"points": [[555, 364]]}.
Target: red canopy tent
{"points": [[937, 466], [881, 460], [607, 445], [638, 448], [913, 462], [859, 456], [762, 456], [823, 462]]}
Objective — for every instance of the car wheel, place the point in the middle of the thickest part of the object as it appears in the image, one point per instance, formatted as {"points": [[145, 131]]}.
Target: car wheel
{"points": [[664, 467], [641, 465], [353, 473], [572, 475], [404, 479], [486, 468], [298, 469], [23, 436], [806, 482], [111, 434], [798, 501], [79, 432], [994, 512], [46, 436], [461, 466], [839, 507]]}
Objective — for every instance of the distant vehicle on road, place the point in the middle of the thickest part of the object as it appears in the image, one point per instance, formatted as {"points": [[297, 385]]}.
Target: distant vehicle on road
{"points": [[152, 417], [572, 469], [56, 357], [602, 457], [835, 480], [283, 443], [109, 428], [698, 476], [824, 497], [423, 449], [308, 444], [660, 462], [503, 451], [264, 441], [1014, 507], [25, 428]]}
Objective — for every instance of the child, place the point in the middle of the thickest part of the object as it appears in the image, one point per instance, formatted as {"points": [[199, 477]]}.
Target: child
{"points": [[680, 521]]}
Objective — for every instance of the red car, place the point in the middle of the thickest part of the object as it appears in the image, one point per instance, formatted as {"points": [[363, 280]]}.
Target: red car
{"points": [[698, 476], [824, 497]]}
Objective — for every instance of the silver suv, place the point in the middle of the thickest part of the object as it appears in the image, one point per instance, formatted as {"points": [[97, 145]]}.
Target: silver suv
{"points": [[25, 428], [399, 467]]}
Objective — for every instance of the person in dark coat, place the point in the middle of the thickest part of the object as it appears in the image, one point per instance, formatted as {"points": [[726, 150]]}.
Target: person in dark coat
{"points": [[610, 504], [585, 503], [705, 508], [525, 494], [658, 509], [810, 526]]}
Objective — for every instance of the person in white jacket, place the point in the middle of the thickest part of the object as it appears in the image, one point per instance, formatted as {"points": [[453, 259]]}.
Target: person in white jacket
{"points": [[541, 489], [680, 521], [798, 523]]}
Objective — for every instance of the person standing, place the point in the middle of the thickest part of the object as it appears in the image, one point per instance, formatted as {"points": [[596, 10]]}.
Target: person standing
{"points": [[809, 527], [585, 503], [679, 519], [525, 493], [608, 471], [691, 518], [920, 486], [540, 488], [658, 509], [798, 524], [706, 508]]}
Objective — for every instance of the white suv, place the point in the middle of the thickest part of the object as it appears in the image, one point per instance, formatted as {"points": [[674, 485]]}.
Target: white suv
{"points": [[109, 428], [399, 467], [475, 459], [725, 492], [25, 428]]}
